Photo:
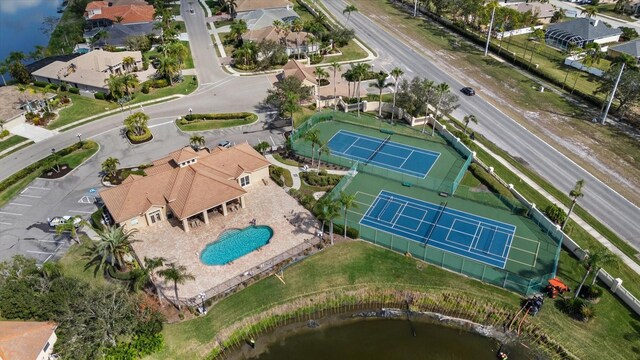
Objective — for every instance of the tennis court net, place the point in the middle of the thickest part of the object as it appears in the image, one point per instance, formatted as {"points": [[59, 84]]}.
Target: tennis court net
{"points": [[376, 151], [435, 222]]}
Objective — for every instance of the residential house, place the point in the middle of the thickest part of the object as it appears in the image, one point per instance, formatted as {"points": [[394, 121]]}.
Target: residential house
{"points": [[105, 13], [251, 5], [26, 340], [543, 11], [89, 71], [116, 35], [295, 42], [304, 73], [14, 104], [262, 18], [581, 31], [632, 48], [186, 185], [633, 8]]}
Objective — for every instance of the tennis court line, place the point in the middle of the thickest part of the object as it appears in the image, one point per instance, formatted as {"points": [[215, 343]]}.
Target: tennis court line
{"points": [[402, 146], [383, 165]]}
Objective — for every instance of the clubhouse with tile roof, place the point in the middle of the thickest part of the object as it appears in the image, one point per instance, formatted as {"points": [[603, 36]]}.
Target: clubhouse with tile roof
{"points": [[186, 184]]}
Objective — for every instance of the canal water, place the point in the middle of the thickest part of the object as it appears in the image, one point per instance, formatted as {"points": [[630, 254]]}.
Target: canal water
{"points": [[378, 339], [21, 23]]}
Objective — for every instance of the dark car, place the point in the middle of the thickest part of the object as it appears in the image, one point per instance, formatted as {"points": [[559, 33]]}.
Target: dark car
{"points": [[468, 91]]}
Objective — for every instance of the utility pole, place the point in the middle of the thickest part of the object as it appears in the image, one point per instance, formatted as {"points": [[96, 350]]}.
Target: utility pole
{"points": [[613, 94], [415, 8], [486, 48]]}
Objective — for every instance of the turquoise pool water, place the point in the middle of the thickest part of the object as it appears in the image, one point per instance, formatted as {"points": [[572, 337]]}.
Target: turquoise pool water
{"points": [[235, 243]]}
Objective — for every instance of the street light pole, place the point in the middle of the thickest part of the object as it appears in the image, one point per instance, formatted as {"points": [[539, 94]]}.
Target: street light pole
{"points": [[79, 135], [415, 8], [613, 94], [486, 48]]}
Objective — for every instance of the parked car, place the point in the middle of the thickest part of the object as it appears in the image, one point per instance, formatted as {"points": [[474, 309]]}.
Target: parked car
{"points": [[59, 220], [468, 91], [225, 144]]}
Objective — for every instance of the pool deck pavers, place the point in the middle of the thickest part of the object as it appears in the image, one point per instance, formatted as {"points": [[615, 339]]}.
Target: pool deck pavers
{"points": [[268, 204]]}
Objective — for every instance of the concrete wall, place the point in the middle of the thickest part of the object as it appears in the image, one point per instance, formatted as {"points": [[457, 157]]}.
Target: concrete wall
{"points": [[44, 354], [574, 61], [83, 87], [515, 32], [607, 40]]}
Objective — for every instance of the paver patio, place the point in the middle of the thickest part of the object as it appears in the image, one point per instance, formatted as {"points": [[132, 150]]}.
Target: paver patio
{"points": [[269, 204]]}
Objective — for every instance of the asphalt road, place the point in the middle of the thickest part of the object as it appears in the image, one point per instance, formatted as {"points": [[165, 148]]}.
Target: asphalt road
{"points": [[600, 200]]}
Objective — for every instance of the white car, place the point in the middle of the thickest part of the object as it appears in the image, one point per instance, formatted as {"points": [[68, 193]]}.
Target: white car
{"points": [[59, 220]]}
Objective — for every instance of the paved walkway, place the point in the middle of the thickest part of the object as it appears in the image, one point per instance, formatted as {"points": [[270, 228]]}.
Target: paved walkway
{"points": [[593, 232], [295, 171]]}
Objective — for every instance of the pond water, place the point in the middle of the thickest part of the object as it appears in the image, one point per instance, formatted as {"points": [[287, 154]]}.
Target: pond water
{"points": [[383, 339], [21, 23]]}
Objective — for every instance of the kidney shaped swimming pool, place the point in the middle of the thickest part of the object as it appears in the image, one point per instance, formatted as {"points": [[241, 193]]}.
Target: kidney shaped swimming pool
{"points": [[235, 243]]}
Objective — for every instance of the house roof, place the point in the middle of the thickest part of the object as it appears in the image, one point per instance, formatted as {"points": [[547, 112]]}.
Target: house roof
{"points": [[94, 5], [130, 13], [587, 29], [270, 33], [543, 10], [117, 34], [36, 65], [300, 71], [632, 48], [12, 99], [90, 69], [187, 190], [262, 18], [249, 5], [23, 339]]}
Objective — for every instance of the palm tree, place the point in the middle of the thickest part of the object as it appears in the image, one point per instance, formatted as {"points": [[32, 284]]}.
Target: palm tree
{"points": [[177, 274], [178, 51], [441, 90], [593, 56], [110, 166], [167, 68], [328, 209], [4, 67], [589, 11], [321, 74], [347, 201], [71, 226], [359, 72], [246, 52], [128, 62], [137, 123], [571, 51], [150, 265], [336, 67], [297, 27], [349, 77], [231, 6], [129, 81], [237, 29], [537, 35], [559, 14], [116, 86], [395, 73], [575, 193], [348, 10], [196, 141], [381, 84], [469, 118], [109, 250], [429, 94], [312, 136], [323, 149], [595, 261]]}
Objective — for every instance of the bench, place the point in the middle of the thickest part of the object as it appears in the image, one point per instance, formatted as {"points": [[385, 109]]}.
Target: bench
{"points": [[385, 131], [407, 184]]}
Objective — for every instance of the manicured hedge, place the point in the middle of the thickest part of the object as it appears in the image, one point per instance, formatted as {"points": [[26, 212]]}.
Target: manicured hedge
{"points": [[339, 230], [276, 174], [489, 181], [74, 90], [96, 219], [221, 116], [99, 96], [136, 139], [38, 165], [4, 133], [314, 179]]}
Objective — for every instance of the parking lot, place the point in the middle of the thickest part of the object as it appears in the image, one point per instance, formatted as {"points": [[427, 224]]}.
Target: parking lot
{"points": [[23, 221]]}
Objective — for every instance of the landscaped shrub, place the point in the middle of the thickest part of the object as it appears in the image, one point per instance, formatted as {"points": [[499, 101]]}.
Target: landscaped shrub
{"points": [[576, 308], [159, 83], [96, 219], [100, 96], [137, 139], [75, 90], [315, 179], [221, 116], [555, 214], [591, 292], [276, 173], [140, 346], [145, 88], [40, 83], [339, 230], [4, 133], [316, 58]]}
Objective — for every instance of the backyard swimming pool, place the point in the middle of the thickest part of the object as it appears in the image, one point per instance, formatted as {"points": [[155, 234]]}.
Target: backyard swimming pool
{"points": [[235, 243]]}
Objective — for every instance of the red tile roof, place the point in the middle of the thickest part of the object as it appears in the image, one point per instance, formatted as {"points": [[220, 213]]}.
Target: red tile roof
{"points": [[129, 13], [24, 339]]}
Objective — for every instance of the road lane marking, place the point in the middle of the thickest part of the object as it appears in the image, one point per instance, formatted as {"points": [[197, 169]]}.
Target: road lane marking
{"points": [[4, 223], [18, 204], [31, 196], [35, 187], [10, 213], [81, 212], [41, 252]]}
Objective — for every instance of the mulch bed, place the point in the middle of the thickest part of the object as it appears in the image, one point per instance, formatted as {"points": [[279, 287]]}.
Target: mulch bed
{"points": [[121, 174], [139, 142], [52, 174]]}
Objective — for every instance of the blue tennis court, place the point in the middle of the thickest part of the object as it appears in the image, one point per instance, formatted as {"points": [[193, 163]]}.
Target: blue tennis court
{"points": [[383, 153], [472, 236]]}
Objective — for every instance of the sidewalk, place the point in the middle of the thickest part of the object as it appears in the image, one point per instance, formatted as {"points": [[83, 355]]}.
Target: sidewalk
{"points": [[628, 261]]}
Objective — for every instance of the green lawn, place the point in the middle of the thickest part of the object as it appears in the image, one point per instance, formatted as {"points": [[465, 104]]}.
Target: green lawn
{"points": [[288, 180], [204, 125], [180, 27], [84, 107], [188, 63], [73, 263], [285, 161], [608, 9], [73, 160], [11, 141], [16, 149], [351, 51], [358, 266], [302, 116]]}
